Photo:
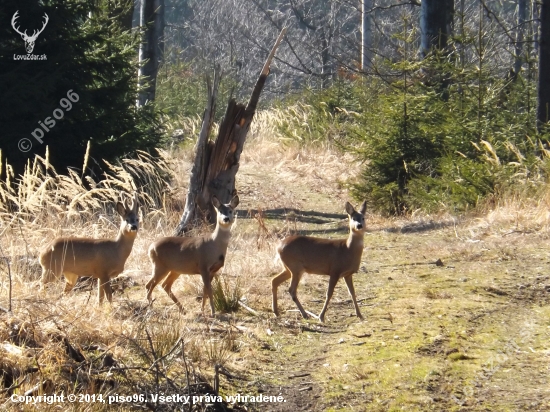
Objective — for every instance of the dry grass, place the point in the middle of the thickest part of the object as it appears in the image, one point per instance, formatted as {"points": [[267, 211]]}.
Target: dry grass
{"points": [[68, 344], [420, 317]]}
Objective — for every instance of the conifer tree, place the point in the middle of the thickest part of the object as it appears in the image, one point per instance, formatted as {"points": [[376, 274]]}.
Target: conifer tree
{"points": [[85, 88]]}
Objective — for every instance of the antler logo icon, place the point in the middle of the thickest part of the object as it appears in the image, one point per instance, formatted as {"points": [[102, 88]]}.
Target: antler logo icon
{"points": [[29, 40]]}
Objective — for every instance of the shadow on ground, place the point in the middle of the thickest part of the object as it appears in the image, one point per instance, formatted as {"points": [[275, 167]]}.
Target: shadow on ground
{"points": [[302, 216], [319, 218]]}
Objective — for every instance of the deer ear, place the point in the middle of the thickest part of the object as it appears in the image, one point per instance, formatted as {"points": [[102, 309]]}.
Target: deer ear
{"points": [[135, 204], [349, 208], [123, 199], [216, 202], [234, 202], [363, 208], [121, 209]]}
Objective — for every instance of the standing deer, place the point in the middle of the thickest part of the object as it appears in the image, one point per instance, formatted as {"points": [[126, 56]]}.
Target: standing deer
{"points": [[173, 256], [336, 258], [103, 259]]}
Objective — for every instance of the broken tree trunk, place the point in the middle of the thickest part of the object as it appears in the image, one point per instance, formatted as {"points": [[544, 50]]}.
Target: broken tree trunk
{"points": [[216, 163]]}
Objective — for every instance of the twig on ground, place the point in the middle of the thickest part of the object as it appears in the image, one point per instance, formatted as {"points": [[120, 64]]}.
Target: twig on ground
{"points": [[300, 375], [313, 315], [249, 309], [9, 279], [15, 386], [186, 371], [154, 359]]}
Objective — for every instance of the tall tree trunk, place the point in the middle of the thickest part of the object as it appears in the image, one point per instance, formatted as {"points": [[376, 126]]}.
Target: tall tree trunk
{"points": [[216, 163], [436, 23], [152, 48], [535, 24], [136, 15], [520, 36], [366, 34], [326, 32], [543, 110], [327, 69]]}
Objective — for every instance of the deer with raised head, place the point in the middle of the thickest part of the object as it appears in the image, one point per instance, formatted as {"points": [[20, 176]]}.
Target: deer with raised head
{"points": [[335, 258], [174, 256], [102, 259]]}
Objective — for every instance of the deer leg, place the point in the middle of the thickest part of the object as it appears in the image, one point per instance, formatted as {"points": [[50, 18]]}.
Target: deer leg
{"points": [[204, 291], [104, 289], [70, 281], [333, 280], [158, 274], [293, 290], [207, 289], [100, 291], [44, 278], [167, 286], [275, 282], [48, 275], [204, 296], [50, 270], [351, 289], [107, 289], [68, 288], [212, 270]]}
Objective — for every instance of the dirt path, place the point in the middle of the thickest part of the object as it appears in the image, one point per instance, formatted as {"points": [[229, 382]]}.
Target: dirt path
{"points": [[469, 333], [457, 314]]}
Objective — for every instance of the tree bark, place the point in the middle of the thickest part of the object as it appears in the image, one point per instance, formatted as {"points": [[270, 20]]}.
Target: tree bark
{"points": [[366, 34], [543, 110], [436, 23], [535, 24], [216, 163], [202, 154], [520, 36], [152, 48]]}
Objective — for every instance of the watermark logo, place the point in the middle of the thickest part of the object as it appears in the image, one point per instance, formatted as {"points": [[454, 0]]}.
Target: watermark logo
{"points": [[25, 144], [29, 40]]}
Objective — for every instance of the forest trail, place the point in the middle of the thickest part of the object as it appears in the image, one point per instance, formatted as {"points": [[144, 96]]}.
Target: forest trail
{"points": [[456, 313]]}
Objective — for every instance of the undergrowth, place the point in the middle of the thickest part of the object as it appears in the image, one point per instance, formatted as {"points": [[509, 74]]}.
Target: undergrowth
{"points": [[226, 296], [429, 142]]}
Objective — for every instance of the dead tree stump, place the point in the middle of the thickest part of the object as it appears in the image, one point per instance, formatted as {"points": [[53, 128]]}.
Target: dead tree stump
{"points": [[217, 162]]}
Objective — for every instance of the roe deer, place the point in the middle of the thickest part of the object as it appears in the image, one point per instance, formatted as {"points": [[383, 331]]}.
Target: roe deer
{"points": [[99, 258], [336, 258], [174, 256]]}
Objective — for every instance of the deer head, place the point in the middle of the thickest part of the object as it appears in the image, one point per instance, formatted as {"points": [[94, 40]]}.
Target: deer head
{"points": [[29, 40]]}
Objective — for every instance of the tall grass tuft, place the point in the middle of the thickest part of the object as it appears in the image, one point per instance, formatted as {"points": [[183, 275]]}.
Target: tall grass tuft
{"points": [[41, 191], [226, 296]]}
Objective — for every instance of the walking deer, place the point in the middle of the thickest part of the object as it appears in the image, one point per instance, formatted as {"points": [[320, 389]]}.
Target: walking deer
{"points": [[174, 256], [99, 258], [336, 258]]}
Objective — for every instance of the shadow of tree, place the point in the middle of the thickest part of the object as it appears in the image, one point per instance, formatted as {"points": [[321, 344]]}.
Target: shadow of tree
{"points": [[421, 226], [293, 215], [302, 216]]}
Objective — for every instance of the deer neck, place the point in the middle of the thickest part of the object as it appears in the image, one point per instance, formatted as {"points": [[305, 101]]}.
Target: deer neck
{"points": [[355, 240], [125, 241], [221, 235]]}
